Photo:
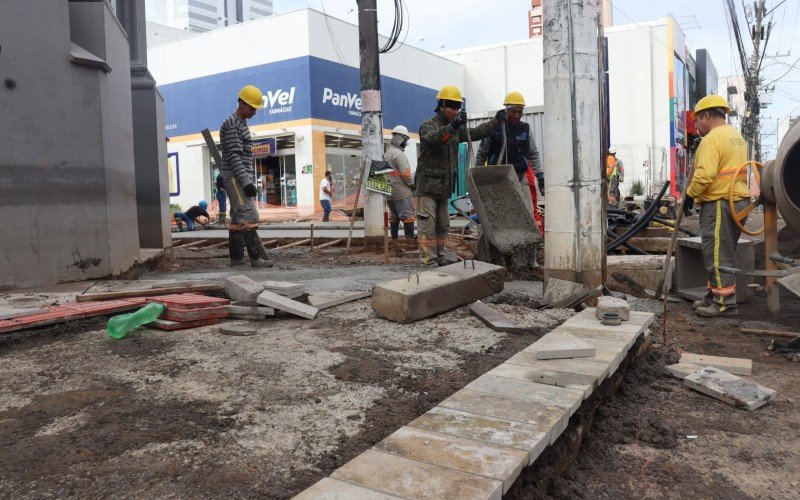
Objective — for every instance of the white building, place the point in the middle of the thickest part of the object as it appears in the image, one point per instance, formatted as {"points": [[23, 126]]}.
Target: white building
{"points": [[205, 15]]}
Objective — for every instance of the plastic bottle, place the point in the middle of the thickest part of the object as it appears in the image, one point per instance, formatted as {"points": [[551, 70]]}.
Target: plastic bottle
{"points": [[119, 326]]}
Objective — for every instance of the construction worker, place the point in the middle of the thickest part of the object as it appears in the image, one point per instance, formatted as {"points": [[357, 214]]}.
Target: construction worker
{"points": [[401, 208], [520, 152], [222, 200], [192, 216], [615, 173], [438, 167], [238, 179], [721, 151]]}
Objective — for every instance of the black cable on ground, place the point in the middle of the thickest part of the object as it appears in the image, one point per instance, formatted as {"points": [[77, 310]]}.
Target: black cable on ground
{"points": [[630, 246], [643, 221]]}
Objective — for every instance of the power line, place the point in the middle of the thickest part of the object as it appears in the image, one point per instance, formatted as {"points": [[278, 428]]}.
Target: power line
{"points": [[794, 28], [330, 32], [787, 72], [639, 25]]}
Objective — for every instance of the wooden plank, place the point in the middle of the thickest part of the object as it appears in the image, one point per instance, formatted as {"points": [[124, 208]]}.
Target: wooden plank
{"points": [[193, 244], [329, 244], [270, 242], [295, 244], [121, 294], [736, 366], [773, 333]]}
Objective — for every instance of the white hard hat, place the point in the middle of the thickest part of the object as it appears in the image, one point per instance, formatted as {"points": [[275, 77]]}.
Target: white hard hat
{"points": [[612, 151], [400, 129]]}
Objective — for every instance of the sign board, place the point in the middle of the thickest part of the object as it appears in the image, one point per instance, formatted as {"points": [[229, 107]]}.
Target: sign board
{"points": [[378, 178], [265, 147]]}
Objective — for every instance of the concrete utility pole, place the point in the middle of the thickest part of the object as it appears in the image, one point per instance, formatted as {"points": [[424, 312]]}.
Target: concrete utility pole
{"points": [[752, 127], [371, 116], [575, 230]]}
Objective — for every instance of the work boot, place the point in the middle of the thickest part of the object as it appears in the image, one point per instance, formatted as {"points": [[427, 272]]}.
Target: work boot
{"points": [[236, 248], [179, 223], [700, 303], [713, 312], [223, 218], [253, 250], [394, 229], [408, 230]]}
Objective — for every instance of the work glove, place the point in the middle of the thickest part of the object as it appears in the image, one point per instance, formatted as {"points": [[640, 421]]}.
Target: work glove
{"points": [[540, 182], [501, 115], [250, 190], [688, 204], [461, 119]]}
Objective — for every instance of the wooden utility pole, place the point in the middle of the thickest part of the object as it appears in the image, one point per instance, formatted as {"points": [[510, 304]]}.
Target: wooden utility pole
{"points": [[371, 115]]}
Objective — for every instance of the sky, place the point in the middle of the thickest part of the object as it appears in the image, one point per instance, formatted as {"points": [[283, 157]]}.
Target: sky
{"points": [[440, 25]]}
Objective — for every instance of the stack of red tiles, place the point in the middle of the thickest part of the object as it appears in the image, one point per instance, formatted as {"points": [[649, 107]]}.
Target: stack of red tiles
{"points": [[70, 310], [188, 310]]}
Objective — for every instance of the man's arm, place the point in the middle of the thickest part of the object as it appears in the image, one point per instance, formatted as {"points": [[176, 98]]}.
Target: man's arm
{"points": [[233, 148], [484, 152], [706, 165], [403, 169], [433, 135], [532, 154], [482, 131]]}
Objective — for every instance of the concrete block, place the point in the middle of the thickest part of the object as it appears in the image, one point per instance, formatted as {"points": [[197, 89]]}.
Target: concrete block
{"points": [[325, 300], [736, 366], [613, 305], [237, 330], [729, 388], [431, 292], [291, 290], [411, 479], [530, 438], [242, 288], [546, 394], [473, 457], [251, 308], [495, 319], [681, 370], [578, 373], [553, 418], [286, 304], [333, 489], [611, 340], [558, 289], [559, 345]]}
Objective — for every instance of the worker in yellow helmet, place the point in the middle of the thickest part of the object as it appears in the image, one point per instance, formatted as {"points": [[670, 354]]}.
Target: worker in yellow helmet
{"points": [[721, 151], [239, 178], [438, 166]]}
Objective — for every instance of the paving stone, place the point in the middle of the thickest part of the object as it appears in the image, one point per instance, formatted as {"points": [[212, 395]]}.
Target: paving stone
{"points": [[495, 320], [333, 489], [237, 330], [530, 438], [431, 292], [560, 345], [558, 289], [99, 308], [729, 388], [411, 479], [250, 308], [187, 300], [681, 370], [284, 288], [527, 390], [17, 312], [584, 376], [621, 340], [613, 305], [569, 371], [55, 315], [242, 288], [325, 300], [165, 324], [550, 417], [735, 366], [195, 314], [473, 457], [251, 317], [286, 304]]}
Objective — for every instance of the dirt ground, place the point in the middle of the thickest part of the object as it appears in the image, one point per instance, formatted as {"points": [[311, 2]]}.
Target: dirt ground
{"points": [[196, 413]]}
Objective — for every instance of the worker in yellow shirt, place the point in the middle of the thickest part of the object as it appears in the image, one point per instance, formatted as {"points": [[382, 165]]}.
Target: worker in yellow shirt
{"points": [[721, 151]]}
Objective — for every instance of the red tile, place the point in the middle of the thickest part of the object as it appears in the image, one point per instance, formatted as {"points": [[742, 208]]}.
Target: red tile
{"points": [[175, 314], [7, 325], [100, 308], [165, 324], [188, 300], [55, 315]]}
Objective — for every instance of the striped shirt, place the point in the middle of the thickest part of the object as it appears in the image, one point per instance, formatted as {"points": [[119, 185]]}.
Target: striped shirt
{"points": [[237, 150]]}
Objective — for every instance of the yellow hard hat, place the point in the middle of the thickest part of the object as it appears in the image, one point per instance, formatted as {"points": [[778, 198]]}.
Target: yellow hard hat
{"points": [[514, 99], [252, 96], [711, 101], [449, 93]]}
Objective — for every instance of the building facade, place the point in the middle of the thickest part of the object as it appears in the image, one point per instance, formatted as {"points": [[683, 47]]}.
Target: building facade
{"points": [[199, 16]]}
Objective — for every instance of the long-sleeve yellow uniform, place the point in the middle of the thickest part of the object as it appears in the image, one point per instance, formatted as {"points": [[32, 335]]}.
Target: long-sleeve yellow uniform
{"points": [[719, 154]]}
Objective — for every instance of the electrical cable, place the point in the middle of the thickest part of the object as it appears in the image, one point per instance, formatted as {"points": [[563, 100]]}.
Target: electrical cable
{"points": [[400, 10], [643, 221], [630, 246]]}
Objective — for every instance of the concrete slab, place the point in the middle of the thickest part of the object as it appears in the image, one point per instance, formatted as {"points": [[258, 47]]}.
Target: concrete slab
{"points": [[251, 317], [530, 438], [560, 345], [613, 305], [283, 287], [729, 388], [550, 417], [735, 366], [411, 479], [286, 304], [681, 370], [333, 489], [473, 457], [610, 340], [527, 390], [325, 300], [544, 376], [242, 288], [572, 373], [252, 308], [495, 320], [431, 292], [558, 289]]}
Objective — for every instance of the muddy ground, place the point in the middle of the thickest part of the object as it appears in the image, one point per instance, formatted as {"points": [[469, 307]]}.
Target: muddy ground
{"points": [[195, 413]]}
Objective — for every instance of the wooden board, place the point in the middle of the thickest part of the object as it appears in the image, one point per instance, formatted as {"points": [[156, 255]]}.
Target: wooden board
{"points": [[121, 294]]}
